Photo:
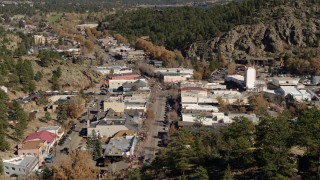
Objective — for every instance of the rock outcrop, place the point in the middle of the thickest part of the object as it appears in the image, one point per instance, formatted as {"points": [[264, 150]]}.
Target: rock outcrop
{"points": [[279, 30]]}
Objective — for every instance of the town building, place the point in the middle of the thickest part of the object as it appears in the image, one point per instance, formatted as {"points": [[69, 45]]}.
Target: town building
{"points": [[122, 144], [112, 123], [112, 70], [114, 82], [57, 130], [250, 77], [37, 148], [49, 137], [293, 93], [22, 166], [173, 77], [156, 63], [117, 106], [285, 81]]}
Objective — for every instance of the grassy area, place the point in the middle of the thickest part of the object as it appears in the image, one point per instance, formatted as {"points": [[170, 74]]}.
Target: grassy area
{"points": [[54, 18]]}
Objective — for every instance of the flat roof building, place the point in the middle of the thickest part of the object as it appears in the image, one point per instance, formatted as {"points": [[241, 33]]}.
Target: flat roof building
{"points": [[22, 166]]}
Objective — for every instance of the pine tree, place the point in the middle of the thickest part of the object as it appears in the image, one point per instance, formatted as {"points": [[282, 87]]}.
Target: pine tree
{"points": [[62, 112], [201, 173], [21, 118], [273, 145], [4, 144], [94, 145], [47, 117], [1, 166], [228, 174]]}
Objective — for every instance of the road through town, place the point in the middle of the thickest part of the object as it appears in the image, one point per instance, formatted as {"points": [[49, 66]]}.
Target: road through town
{"points": [[151, 145]]}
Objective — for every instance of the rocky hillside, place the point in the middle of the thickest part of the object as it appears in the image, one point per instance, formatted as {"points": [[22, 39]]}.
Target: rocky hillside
{"points": [[73, 77], [290, 29]]}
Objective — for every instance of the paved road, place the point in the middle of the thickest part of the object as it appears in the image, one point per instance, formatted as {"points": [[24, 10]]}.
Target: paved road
{"points": [[151, 145]]}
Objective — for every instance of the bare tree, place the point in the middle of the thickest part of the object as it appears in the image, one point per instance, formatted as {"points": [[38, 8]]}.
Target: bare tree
{"points": [[232, 68], [75, 106], [77, 165]]}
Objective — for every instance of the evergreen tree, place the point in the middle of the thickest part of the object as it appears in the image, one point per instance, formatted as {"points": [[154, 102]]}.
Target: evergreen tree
{"points": [[228, 174], [3, 110], [47, 173], [94, 145], [4, 144], [201, 173], [273, 145], [1, 167], [21, 118], [62, 112], [307, 134], [47, 117], [239, 142], [38, 76]]}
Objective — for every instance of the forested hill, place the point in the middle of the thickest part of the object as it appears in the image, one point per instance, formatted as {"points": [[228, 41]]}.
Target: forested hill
{"points": [[81, 6], [266, 25]]}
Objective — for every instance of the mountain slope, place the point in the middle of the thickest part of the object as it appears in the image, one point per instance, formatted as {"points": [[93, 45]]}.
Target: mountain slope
{"points": [[289, 29]]}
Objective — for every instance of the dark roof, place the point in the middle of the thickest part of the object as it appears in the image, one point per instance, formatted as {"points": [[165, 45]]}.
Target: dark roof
{"points": [[138, 83]]}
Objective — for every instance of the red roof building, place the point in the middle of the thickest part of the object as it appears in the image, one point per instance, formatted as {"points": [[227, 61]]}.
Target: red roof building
{"points": [[41, 135]]}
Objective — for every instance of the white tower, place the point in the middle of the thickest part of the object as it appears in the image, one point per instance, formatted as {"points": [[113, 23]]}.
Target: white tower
{"points": [[250, 77]]}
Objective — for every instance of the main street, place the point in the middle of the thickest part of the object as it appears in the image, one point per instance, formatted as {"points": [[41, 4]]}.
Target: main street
{"points": [[154, 125]]}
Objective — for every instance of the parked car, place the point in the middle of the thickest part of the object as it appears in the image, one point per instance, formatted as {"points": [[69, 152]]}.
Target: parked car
{"points": [[65, 150], [49, 159]]}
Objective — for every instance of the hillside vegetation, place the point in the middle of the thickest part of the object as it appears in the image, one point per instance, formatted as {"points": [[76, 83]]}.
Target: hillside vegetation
{"points": [[254, 27]]}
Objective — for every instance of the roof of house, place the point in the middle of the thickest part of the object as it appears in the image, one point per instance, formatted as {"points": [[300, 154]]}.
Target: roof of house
{"points": [[43, 135], [193, 89], [32, 144], [118, 146], [24, 161], [124, 133], [138, 83], [49, 128]]}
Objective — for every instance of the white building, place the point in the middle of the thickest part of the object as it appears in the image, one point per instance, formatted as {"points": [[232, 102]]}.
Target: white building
{"points": [[291, 92], [250, 77], [112, 70], [285, 81], [238, 79], [21, 166]]}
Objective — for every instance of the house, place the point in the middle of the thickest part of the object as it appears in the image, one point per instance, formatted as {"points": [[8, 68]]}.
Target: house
{"points": [[121, 145], [156, 63], [137, 85], [183, 71], [173, 77], [118, 107], [136, 103], [114, 82], [23, 166], [57, 130], [42, 135], [112, 123], [38, 148]]}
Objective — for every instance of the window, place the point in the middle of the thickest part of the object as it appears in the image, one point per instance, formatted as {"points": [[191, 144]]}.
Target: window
{"points": [[13, 168], [35, 154], [29, 153], [7, 167], [19, 169], [7, 172]]}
